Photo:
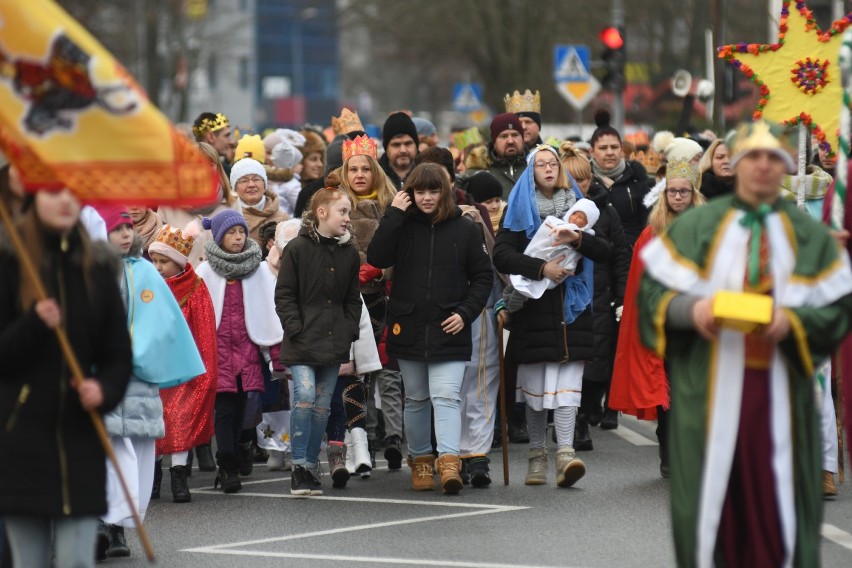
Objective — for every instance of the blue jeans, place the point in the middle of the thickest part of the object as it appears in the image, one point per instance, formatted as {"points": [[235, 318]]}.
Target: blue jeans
{"points": [[312, 390], [74, 538], [441, 382]]}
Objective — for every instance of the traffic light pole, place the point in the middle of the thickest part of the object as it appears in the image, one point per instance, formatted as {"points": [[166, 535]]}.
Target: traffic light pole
{"points": [[618, 90]]}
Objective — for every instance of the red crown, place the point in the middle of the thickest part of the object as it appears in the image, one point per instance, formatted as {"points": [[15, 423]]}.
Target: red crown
{"points": [[361, 146]]}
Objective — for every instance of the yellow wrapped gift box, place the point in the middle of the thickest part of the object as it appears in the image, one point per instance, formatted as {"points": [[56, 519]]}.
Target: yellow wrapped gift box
{"points": [[742, 311]]}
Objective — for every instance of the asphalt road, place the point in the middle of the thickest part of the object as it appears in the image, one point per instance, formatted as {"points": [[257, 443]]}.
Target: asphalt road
{"points": [[616, 516]]}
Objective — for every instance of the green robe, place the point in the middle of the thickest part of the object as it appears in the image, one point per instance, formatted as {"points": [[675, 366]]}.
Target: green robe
{"points": [[706, 250]]}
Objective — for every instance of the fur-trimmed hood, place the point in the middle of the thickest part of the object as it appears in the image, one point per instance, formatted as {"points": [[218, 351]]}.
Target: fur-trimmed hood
{"points": [[309, 229]]}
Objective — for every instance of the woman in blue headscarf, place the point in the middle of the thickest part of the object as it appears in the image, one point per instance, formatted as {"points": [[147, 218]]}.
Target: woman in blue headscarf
{"points": [[551, 336]]}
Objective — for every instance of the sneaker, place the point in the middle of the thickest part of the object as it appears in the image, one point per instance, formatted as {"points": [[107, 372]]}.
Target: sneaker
{"points": [[537, 467], [315, 474], [301, 481], [393, 452], [479, 471]]}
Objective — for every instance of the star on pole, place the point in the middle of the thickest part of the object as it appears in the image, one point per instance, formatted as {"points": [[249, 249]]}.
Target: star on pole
{"points": [[799, 76]]}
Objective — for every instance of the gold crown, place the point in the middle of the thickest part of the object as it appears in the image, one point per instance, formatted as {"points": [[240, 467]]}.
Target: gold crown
{"points": [[682, 169], [208, 125], [649, 159], [467, 138], [175, 239], [348, 121], [526, 102], [361, 146], [760, 135]]}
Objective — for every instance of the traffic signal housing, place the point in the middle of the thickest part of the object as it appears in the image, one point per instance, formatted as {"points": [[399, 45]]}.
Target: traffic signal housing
{"points": [[614, 57]]}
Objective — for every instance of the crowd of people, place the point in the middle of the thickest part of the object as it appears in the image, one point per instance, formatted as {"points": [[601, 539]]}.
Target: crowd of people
{"points": [[334, 298]]}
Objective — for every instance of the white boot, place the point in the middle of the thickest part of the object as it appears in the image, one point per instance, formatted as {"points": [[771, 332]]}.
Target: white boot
{"points": [[350, 453], [361, 451]]}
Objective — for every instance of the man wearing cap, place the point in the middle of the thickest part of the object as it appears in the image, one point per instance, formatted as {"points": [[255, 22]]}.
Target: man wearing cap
{"points": [[257, 203], [744, 431], [506, 151], [399, 138], [215, 130]]}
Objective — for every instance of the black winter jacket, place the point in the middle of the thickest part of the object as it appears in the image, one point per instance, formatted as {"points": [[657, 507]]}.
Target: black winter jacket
{"points": [[712, 186], [439, 269], [626, 195], [506, 170], [610, 286], [389, 171], [52, 462], [539, 332], [317, 299]]}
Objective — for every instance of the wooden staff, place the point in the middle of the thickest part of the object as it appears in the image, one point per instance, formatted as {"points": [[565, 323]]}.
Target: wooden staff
{"points": [[76, 372], [504, 429]]}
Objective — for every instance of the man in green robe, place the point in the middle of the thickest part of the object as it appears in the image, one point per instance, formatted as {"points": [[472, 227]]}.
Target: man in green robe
{"points": [[745, 436]]}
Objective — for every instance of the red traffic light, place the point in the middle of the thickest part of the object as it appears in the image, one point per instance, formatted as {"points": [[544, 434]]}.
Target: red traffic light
{"points": [[611, 38]]}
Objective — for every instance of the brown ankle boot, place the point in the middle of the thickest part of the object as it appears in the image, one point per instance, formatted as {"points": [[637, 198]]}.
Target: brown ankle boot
{"points": [[449, 467], [422, 472]]}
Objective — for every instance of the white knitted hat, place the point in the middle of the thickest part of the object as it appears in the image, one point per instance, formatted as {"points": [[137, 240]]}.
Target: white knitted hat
{"points": [[245, 167]]}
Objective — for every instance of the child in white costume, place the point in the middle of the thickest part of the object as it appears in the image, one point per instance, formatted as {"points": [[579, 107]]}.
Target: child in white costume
{"points": [[581, 217]]}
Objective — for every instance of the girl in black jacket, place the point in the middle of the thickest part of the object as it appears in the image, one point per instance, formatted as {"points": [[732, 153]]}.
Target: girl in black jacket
{"points": [[317, 298], [442, 279], [550, 341], [52, 474]]}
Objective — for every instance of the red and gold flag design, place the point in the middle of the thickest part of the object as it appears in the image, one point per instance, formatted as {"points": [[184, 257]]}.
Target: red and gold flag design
{"points": [[72, 116]]}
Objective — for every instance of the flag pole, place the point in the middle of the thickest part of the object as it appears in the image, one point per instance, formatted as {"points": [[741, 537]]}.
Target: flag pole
{"points": [[76, 372]]}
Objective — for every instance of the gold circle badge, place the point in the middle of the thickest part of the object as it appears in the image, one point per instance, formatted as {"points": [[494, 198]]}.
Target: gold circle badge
{"points": [[147, 296], [396, 329]]}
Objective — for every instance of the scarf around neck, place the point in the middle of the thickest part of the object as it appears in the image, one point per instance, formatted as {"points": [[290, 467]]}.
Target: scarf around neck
{"points": [[233, 266], [612, 174], [556, 206]]}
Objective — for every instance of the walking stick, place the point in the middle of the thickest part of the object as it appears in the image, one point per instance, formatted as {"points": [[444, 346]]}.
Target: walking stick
{"points": [[76, 372], [504, 430]]}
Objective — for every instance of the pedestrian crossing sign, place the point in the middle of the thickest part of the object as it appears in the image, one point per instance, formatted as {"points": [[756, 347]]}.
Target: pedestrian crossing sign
{"points": [[467, 97], [572, 75]]}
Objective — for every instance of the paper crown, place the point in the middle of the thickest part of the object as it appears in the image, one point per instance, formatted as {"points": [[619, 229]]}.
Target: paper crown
{"points": [[361, 146], [649, 159], [468, 137], [210, 125], [526, 102], [762, 135], [682, 169], [173, 244], [347, 122]]}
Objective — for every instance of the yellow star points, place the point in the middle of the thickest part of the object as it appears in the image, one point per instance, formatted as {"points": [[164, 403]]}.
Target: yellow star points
{"points": [[798, 77]]}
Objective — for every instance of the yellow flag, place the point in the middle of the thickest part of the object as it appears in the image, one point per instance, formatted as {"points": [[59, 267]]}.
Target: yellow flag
{"points": [[72, 116]]}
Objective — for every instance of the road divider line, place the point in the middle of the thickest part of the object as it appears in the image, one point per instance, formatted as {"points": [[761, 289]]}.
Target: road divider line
{"points": [[219, 548], [374, 559], [633, 437]]}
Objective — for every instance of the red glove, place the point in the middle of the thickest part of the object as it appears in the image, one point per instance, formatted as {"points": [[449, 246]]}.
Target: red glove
{"points": [[368, 273]]}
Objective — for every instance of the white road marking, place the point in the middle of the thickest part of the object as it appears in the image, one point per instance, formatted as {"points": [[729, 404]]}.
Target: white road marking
{"points": [[633, 437], [377, 560], [482, 509], [836, 535]]}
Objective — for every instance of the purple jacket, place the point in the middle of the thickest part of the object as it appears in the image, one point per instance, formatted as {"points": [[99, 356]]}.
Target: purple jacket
{"points": [[238, 356]]}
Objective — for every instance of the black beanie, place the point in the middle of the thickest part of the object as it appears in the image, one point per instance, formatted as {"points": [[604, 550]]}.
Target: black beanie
{"points": [[536, 116], [397, 124], [483, 186]]}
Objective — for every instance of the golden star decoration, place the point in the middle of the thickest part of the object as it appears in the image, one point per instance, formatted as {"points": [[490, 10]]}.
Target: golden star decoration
{"points": [[798, 77]]}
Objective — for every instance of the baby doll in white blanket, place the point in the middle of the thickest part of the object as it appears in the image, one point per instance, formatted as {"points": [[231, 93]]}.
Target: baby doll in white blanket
{"points": [[581, 217]]}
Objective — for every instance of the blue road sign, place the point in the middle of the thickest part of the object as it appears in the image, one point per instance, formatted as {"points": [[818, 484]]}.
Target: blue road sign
{"points": [[467, 97], [572, 64]]}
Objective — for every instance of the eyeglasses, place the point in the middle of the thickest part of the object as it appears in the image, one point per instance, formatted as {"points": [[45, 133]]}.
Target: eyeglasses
{"points": [[250, 179], [543, 165], [681, 192]]}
